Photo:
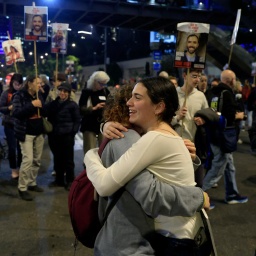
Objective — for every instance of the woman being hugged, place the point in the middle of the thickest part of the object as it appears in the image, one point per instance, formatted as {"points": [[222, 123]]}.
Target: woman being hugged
{"points": [[28, 129], [6, 107], [162, 151]]}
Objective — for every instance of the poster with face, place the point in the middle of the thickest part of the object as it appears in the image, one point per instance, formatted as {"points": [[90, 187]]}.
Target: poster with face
{"points": [[36, 20], [13, 51], [191, 45], [59, 38]]}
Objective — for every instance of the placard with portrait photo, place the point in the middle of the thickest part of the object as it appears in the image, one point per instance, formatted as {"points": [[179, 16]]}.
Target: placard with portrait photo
{"points": [[191, 45], [59, 38], [35, 23], [13, 51]]}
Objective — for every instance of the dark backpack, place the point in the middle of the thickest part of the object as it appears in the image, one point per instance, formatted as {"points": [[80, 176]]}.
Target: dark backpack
{"points": [[83, 208]]}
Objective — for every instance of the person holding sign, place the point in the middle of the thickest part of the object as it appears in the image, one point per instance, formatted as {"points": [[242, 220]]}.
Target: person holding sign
{"points": [[28, 106]]}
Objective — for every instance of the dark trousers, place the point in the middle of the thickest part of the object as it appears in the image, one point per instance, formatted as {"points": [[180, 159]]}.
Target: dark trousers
{"points": [[62, 147], [14, 152], [180, 247]]}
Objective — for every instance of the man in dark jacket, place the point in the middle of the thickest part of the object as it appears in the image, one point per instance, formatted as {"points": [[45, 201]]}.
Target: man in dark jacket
{"points": [[222, 163]]}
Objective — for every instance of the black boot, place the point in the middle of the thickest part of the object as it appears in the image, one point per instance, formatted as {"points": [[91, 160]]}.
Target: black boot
{"points": [[25, 195]]}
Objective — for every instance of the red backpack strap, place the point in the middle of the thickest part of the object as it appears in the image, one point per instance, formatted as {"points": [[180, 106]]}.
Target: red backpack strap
{"points": [[103, 145]]}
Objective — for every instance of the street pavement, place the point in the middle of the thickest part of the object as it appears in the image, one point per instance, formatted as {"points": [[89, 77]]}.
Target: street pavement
{"points": [[42, 227]]}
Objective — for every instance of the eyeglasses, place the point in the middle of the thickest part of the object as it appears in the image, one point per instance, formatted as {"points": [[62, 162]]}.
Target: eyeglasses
{"points": [[195, 76]]}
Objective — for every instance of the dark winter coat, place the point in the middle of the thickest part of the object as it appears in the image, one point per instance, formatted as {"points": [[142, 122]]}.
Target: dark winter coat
{"points": [[24, 112], [64, 116], [229, 107], [91, 119], [5, 102]]}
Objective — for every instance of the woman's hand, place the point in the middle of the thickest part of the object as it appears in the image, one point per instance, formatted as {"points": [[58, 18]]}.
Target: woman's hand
{"points": [[99, 106], [191, 148], [112, 130], [37, 103], [206, 205]]}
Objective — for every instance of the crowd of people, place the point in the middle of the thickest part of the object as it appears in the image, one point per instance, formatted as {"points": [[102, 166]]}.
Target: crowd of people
{"points": [[161, 160]]}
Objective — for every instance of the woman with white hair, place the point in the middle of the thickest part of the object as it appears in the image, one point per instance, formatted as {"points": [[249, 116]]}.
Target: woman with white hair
{"points": [[91, 103]]}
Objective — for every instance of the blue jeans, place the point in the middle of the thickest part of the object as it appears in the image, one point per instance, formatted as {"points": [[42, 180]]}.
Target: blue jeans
{"points": [[222, 163]]}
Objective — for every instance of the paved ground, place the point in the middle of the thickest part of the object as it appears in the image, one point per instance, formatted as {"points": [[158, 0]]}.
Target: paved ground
{"points": [[42, 227]]}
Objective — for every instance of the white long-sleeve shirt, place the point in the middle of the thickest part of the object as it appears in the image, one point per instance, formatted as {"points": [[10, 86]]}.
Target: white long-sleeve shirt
{"points": [[164, 155], [195, 101]]}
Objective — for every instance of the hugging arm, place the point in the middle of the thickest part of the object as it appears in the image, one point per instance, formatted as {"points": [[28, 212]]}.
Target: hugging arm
{"points": [[156, 197], [113, 130], [142, 154], [133, 161]]}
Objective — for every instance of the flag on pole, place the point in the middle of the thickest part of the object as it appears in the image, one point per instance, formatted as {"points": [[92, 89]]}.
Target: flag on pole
{"points": [[238, 16]]}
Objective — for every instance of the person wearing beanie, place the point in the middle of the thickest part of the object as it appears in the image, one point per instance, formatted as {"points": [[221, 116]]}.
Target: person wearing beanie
{"points": [[52, 95], [14, 152], [91, 103], [57, 81], [64, 115]]}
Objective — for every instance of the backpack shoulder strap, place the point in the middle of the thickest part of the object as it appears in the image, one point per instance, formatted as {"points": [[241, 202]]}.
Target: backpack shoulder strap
{"points": [[118, 193], [103, 145], [221, 100]]}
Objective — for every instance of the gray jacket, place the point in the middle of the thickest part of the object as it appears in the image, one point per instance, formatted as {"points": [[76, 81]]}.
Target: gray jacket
{"points": [[129, 229]]}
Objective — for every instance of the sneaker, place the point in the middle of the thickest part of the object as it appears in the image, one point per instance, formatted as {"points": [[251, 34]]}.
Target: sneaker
{"points": [[215, 185], [35, 188], [53, 173], [24, 195], [240, 141], [212, 206], [238, 199]]}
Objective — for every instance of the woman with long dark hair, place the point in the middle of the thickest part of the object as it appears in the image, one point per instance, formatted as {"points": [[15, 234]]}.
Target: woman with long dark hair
{"points": [[6, 107]]}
